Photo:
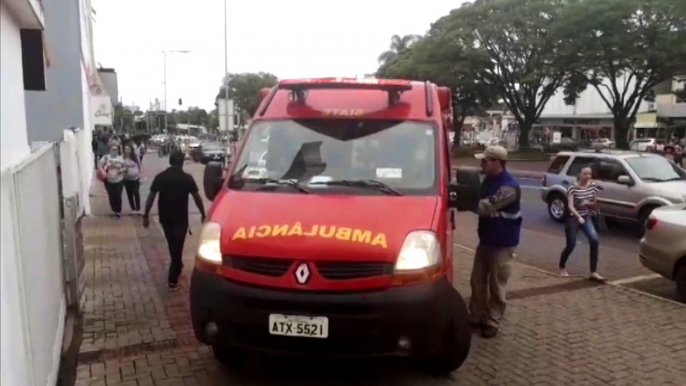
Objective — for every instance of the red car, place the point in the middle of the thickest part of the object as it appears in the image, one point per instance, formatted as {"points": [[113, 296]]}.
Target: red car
{"points": [[334, 236]]}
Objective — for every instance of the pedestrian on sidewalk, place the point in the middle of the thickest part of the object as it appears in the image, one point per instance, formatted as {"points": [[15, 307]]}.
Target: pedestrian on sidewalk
{"points": [[582, 204], [141, 150], [174, 186], [112, 167], [500, 222], [132, 178]]}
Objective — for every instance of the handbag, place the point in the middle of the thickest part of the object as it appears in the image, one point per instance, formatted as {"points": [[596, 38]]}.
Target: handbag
{"points": [[102, 174]]}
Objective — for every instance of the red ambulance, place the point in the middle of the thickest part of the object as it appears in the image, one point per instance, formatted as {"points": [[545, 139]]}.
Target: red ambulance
{"points": [[331, 232]]}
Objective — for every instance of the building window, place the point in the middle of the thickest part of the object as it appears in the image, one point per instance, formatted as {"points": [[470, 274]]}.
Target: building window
{"points": [[33, 59]]}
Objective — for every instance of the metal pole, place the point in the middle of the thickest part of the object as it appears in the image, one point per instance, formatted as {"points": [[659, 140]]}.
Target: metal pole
{"points": [[226, 76], [165, 90]]}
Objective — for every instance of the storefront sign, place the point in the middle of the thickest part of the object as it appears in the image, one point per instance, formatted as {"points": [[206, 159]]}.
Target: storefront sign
{"points": [[557, 137], [581, 122], [101, 108]]}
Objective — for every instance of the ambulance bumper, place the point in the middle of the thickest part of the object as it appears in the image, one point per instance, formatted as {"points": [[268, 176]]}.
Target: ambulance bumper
{"points": [[398, 321]]}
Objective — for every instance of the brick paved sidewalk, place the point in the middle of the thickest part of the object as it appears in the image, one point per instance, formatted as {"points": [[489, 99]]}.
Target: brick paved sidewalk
{"points": [[557, 332]]}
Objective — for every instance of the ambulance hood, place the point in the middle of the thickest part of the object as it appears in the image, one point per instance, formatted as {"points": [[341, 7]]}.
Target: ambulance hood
{"points": [[320, 227]]}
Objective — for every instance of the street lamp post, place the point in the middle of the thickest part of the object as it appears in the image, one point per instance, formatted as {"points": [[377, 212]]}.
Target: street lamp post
{"points": [[226, 80], [165, 80]]}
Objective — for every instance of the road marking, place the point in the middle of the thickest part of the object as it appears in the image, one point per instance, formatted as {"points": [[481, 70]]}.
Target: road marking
{"points": [[464, 247], [635, 279]]}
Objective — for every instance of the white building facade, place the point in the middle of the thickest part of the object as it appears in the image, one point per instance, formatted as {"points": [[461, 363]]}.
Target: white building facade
{"points": [[46, 121]]}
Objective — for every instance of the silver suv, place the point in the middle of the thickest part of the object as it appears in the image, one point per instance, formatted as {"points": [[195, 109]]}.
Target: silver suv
{"points": [[633, 184]]}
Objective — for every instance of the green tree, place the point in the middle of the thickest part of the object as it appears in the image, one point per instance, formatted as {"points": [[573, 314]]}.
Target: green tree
{"points": [[623, 49], [123, 118], [245, 90], [398, 45], [524, 65], [447, 61]]}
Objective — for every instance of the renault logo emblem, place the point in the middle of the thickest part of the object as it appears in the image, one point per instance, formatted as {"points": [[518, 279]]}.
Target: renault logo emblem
{"points": [[302, 273]]}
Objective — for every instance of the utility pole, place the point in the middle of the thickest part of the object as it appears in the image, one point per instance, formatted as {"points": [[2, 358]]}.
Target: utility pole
{"points": [[226, 79], [165, 90]]}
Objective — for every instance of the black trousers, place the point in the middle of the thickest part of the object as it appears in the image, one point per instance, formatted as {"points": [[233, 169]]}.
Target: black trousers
{"points": [[133, 193], [114, 191], [175, 233]]}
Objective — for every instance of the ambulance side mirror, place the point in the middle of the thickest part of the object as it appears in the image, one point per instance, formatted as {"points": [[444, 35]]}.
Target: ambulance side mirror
{"points": [[212, 179], [464, 195]]}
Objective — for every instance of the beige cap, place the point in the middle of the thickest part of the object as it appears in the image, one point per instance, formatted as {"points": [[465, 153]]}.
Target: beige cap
{"points": [[495, 152]]}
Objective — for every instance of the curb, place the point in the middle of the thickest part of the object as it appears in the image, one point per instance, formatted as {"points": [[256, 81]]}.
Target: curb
{"points": [[530, 174]]}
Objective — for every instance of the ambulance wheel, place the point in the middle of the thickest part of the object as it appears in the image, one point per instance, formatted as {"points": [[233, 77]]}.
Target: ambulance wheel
{"points": [[226, 355], [456, 344]]}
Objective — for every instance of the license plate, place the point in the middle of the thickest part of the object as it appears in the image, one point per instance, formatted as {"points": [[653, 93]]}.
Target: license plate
{"points": [[301, 326]]}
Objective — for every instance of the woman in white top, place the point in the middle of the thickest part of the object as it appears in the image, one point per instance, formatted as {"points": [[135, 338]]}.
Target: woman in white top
{"points": [[112, 166], [582, 205], [132, 178]]}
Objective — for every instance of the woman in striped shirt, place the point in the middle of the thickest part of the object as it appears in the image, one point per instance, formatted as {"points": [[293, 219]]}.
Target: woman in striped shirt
{"points": [[582, 206]]}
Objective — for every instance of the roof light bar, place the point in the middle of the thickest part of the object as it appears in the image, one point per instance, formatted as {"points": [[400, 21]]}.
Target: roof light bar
{"points": [[299, 87]]}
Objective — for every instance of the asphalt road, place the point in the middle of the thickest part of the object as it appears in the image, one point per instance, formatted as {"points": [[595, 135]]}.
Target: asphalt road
{"points": [[542, 239]]}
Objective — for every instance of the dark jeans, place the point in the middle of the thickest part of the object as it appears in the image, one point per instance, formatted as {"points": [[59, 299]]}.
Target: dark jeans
{"points": [[571, 231], [114, 192], [133, 193], [175, 233]]}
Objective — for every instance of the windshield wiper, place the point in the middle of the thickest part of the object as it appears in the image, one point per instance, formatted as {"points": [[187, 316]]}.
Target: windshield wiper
{"points": [[373, 184], [292, 183]]}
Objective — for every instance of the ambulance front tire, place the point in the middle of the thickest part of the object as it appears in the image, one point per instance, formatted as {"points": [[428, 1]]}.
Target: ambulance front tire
{"points": [[456, 343]]}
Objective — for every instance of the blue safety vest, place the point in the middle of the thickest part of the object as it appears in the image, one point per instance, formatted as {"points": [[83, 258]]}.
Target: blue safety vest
{"points": [[502, 229]]}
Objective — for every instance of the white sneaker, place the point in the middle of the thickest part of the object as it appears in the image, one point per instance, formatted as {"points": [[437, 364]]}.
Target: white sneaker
{"points": [[564, 273], [596, 277]]}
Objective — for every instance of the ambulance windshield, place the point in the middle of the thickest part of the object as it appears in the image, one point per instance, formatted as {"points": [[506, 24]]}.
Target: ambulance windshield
{"points": [[317, 153]]}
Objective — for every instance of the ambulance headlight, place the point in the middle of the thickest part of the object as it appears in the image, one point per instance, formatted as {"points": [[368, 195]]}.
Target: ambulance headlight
{"points": [[420, 250], [209, 246]]}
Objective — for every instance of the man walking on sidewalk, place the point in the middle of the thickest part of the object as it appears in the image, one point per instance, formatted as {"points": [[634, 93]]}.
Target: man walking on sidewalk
{"points": [[174, 186], [500, 222]]}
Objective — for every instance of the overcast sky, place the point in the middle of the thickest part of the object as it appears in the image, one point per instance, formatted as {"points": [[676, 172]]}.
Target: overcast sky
{"points": [[289, 38]]}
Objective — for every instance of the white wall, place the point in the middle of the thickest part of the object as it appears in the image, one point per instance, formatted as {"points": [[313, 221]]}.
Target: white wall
{"points": [[14, 148], [588, 103]]}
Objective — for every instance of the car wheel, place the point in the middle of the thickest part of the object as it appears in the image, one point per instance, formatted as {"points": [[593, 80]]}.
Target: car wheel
{"points": [[226, 354], [681, 282], [557, 207], [456, 344], [642, 218]]}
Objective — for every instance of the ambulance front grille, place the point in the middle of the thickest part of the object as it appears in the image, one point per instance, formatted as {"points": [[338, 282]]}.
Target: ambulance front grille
{"points": [[346, 270], [266, 266]]}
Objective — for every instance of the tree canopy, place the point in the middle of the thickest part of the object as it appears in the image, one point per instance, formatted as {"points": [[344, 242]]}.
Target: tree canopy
{"points": [[623, 49], [524, 51], [398, 45], [245, 89], [446, 62], [490, 50]]}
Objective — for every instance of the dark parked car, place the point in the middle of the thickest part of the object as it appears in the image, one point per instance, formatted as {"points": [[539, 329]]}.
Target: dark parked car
{"points": [[216, 154]]}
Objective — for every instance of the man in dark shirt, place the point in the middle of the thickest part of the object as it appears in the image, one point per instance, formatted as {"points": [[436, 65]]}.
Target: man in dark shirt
{"points": [[174, 186]]}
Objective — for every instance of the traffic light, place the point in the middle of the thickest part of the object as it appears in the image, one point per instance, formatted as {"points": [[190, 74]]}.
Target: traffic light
{"points": [[180, 102]]}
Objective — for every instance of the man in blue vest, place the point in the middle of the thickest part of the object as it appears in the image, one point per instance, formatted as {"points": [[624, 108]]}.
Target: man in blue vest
{"points": [[500, 222]]}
